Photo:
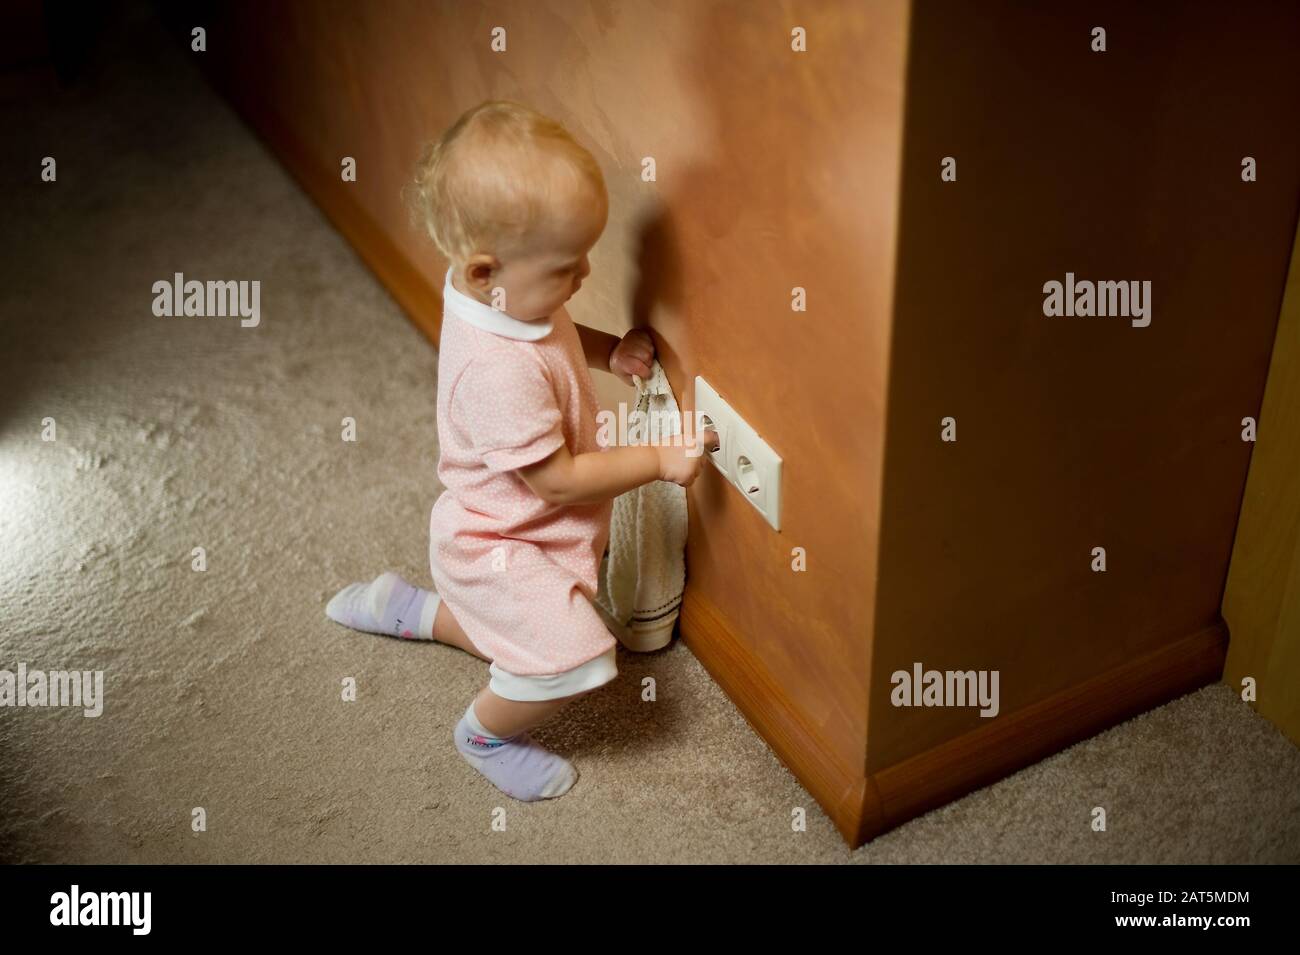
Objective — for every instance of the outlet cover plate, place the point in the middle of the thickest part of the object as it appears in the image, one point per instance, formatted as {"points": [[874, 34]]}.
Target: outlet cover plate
{"points": [[747, 461]]}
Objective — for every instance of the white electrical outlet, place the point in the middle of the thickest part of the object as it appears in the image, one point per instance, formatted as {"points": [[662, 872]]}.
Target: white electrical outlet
{"points": [[743, 458]]}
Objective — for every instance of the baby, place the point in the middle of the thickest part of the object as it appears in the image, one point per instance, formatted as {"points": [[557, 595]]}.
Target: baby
{"points": [[516, 540]]}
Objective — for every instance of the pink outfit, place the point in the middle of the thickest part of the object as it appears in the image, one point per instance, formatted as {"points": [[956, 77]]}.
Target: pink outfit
{"points": [[519, 574]]}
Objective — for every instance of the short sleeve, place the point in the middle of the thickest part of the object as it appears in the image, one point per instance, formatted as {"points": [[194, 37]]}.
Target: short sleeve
{"points": [[507, 406]]}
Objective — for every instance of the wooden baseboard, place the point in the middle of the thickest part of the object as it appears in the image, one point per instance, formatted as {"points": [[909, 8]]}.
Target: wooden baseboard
{"points": [[1019, 739], [864, 806], [319, 176]]}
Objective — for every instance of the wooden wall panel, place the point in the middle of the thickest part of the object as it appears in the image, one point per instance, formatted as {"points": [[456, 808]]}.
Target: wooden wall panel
{"points": [[1075, 432]]}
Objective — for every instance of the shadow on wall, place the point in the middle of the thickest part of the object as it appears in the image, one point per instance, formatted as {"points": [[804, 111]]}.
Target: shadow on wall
{"points": [[658, 276]]}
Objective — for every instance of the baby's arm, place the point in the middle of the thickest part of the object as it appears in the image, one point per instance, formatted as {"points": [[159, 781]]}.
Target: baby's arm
{"points": [[598, 346], [562, 478], [624, 357]]}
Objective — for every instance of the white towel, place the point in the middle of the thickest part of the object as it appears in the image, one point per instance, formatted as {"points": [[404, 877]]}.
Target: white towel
{"points": [[643, 572]]}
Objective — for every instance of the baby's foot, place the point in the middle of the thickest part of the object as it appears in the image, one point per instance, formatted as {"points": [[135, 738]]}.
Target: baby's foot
{"points": [[516, 765], [387, 605]]}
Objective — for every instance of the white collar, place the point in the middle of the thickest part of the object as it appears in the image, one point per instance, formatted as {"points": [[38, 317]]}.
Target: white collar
{"points": [[491, 319]]}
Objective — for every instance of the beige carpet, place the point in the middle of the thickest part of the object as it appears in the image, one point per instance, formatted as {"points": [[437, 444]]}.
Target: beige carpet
{"points": [[223, 687]]}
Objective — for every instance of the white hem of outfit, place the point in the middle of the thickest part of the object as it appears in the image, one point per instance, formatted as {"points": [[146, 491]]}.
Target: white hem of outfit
{"points": [[599, 670], [553, 686]]}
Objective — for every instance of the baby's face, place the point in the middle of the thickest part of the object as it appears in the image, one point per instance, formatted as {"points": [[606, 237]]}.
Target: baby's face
{"points": [[543, 276]]}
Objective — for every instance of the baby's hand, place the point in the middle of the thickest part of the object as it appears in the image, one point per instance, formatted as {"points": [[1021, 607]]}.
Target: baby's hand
{"points": [[682, 464], [632, 356]]}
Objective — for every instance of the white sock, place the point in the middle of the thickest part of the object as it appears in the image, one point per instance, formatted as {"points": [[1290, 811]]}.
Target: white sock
{"points": [[387, 605], [471, 720], [516, 765]]}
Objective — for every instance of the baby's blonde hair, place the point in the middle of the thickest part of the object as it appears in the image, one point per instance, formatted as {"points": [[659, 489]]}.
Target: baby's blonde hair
{"points": [[488, 180]]}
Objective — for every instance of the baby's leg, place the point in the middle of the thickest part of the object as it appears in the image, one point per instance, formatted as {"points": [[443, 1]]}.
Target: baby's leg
{"points": [[493, 738], [447, 629], [391, 606], [502, 717]]}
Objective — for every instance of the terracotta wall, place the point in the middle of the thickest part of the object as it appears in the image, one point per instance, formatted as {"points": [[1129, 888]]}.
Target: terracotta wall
{"points": [[776, 169], [1075, 432]]}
